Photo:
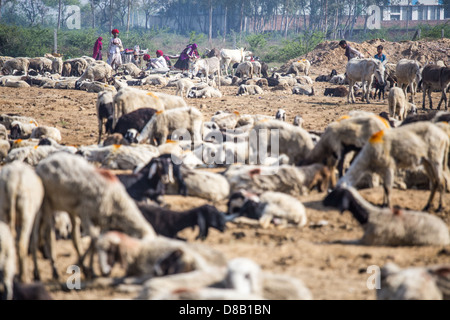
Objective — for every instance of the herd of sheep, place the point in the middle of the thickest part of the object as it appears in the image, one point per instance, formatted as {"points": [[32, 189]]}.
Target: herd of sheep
{"points": [[48, 189]]}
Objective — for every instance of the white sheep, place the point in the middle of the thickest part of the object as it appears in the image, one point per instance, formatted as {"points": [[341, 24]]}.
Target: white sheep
{"points": [[404, 147], [57, 65], [131, 69], [21, 194], [97, 71], [155, 80], [184, 86], [46, 132], [33, 155], [300, 66], [304, 80], [4, 149], [21, 130], [164, 123], [16, 84], [249, 90], [389, 227], [244, 69], [7, 261], [293, 141], [16, 64], [129, 99], [97, 87], [399, 108], [170, 101], [94, 195], [416, 283], [280, 115], [208, 92]]}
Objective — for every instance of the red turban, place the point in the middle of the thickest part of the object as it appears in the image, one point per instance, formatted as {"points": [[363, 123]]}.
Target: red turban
{"points": [[115, 31], [146, 57], [159, 53]]}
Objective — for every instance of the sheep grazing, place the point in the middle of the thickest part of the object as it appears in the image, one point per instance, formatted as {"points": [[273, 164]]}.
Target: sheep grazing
{"points": [[21, 194], [40, 64], [249, 90], [168, 222], [293, 141], [275, 207], [299, 66], [184, 86], [151, 181], [46, 132], [404, 147], [104, 107], [340, 137], [399, 108], [336, 92], [285, 178], [16, 64], [408, 76], [97, 71], [129, 99], [93, 195], [164, 123], [7, 262], [389, 227], [303, 90], [280, 115], [435, 78], [144, 257], [418, 283]]}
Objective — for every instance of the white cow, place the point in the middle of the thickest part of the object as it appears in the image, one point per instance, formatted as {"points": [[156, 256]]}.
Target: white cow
{"points": [[230, 56], [364, 70], [408, 74]]}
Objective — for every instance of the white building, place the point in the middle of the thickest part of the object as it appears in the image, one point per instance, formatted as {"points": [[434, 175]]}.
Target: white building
{"points": [[413, 10]]}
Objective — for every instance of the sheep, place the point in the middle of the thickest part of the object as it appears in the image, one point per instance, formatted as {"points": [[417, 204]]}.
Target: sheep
{"points": [[164, 123], [299, 66], [4, 149], [16, 64], [285, 178], [340, 137], [249, 90], [293, 141], [46, 132], [21, 194], [399, 108], [338, 79], [408, 74], [256, 68], [136, 119], [97, 71], [16, 84], [336, 92], [7, 261], [69, 84], [152, 180], [418, 283], [280, 115], [243, 279], [168, 222], [96, 87], [303, 90], [142, 257], [20, 130], [244, 69], [170, 101], [78, 66], [208, 67], [275, 207], [183, 87], [386, 226], [129, 99], [33, 155], [208, 92], [304, 80], [155, 80], [104, 108], [131, 69], [66, 69], [94, 195], [40, 64], [403, 147], [57, 65]]}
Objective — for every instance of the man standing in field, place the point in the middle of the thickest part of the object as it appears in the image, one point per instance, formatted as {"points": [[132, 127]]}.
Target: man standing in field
{"points": [[350, 52]]}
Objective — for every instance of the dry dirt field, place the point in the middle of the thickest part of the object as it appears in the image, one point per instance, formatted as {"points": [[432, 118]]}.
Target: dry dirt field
{"points": [[331, 270]]}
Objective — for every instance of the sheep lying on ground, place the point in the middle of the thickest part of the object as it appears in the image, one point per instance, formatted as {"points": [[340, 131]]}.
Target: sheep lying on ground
{"points": [[46, 132], [20, 130], [285, 178], [249, 90], [404, 147], [94, 195], [96, 87], [208, 92], [154, 80], [21, 194], [303, 90], [32, 155], [8, 119], [131, 69], [336, 92], [16, 84], [7, 262], [418, 283], [389, 227], [142, 257]]}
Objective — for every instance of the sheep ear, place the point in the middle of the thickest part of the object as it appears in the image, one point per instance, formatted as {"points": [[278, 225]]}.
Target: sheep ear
{"points": [[152, 171], [203, 229]]}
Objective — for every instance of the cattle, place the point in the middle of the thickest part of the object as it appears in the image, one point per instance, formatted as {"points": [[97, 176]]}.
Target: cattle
{"points": [[230, 56], [408, 76]]}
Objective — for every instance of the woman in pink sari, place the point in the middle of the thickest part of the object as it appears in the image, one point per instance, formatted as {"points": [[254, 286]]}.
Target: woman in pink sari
{"points": [[98, 46]]}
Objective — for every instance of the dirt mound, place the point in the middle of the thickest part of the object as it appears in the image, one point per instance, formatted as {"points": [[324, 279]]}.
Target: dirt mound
{"points": [[328, 55]]}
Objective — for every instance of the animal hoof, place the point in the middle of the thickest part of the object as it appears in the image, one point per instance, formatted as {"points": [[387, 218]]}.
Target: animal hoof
{"points": [[439, 209], [427, 207]]}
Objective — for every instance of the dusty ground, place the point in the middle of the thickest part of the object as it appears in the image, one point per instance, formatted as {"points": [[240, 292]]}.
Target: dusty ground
{"points": [[329, 269]]}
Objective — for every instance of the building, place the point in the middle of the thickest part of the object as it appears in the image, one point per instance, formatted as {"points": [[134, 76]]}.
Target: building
{"points": [[413, 10]]}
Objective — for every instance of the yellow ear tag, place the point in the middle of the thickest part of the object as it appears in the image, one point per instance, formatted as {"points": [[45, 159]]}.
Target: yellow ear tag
{"points": [[377, 137]]}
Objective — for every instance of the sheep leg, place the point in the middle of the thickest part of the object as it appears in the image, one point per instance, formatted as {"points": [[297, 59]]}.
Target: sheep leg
{"points": [[413, 91], [429, 98], [23, 237], [434, 184], [387, 186], [100, 130], [424, 95], [443, 98], [34, 244]]}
